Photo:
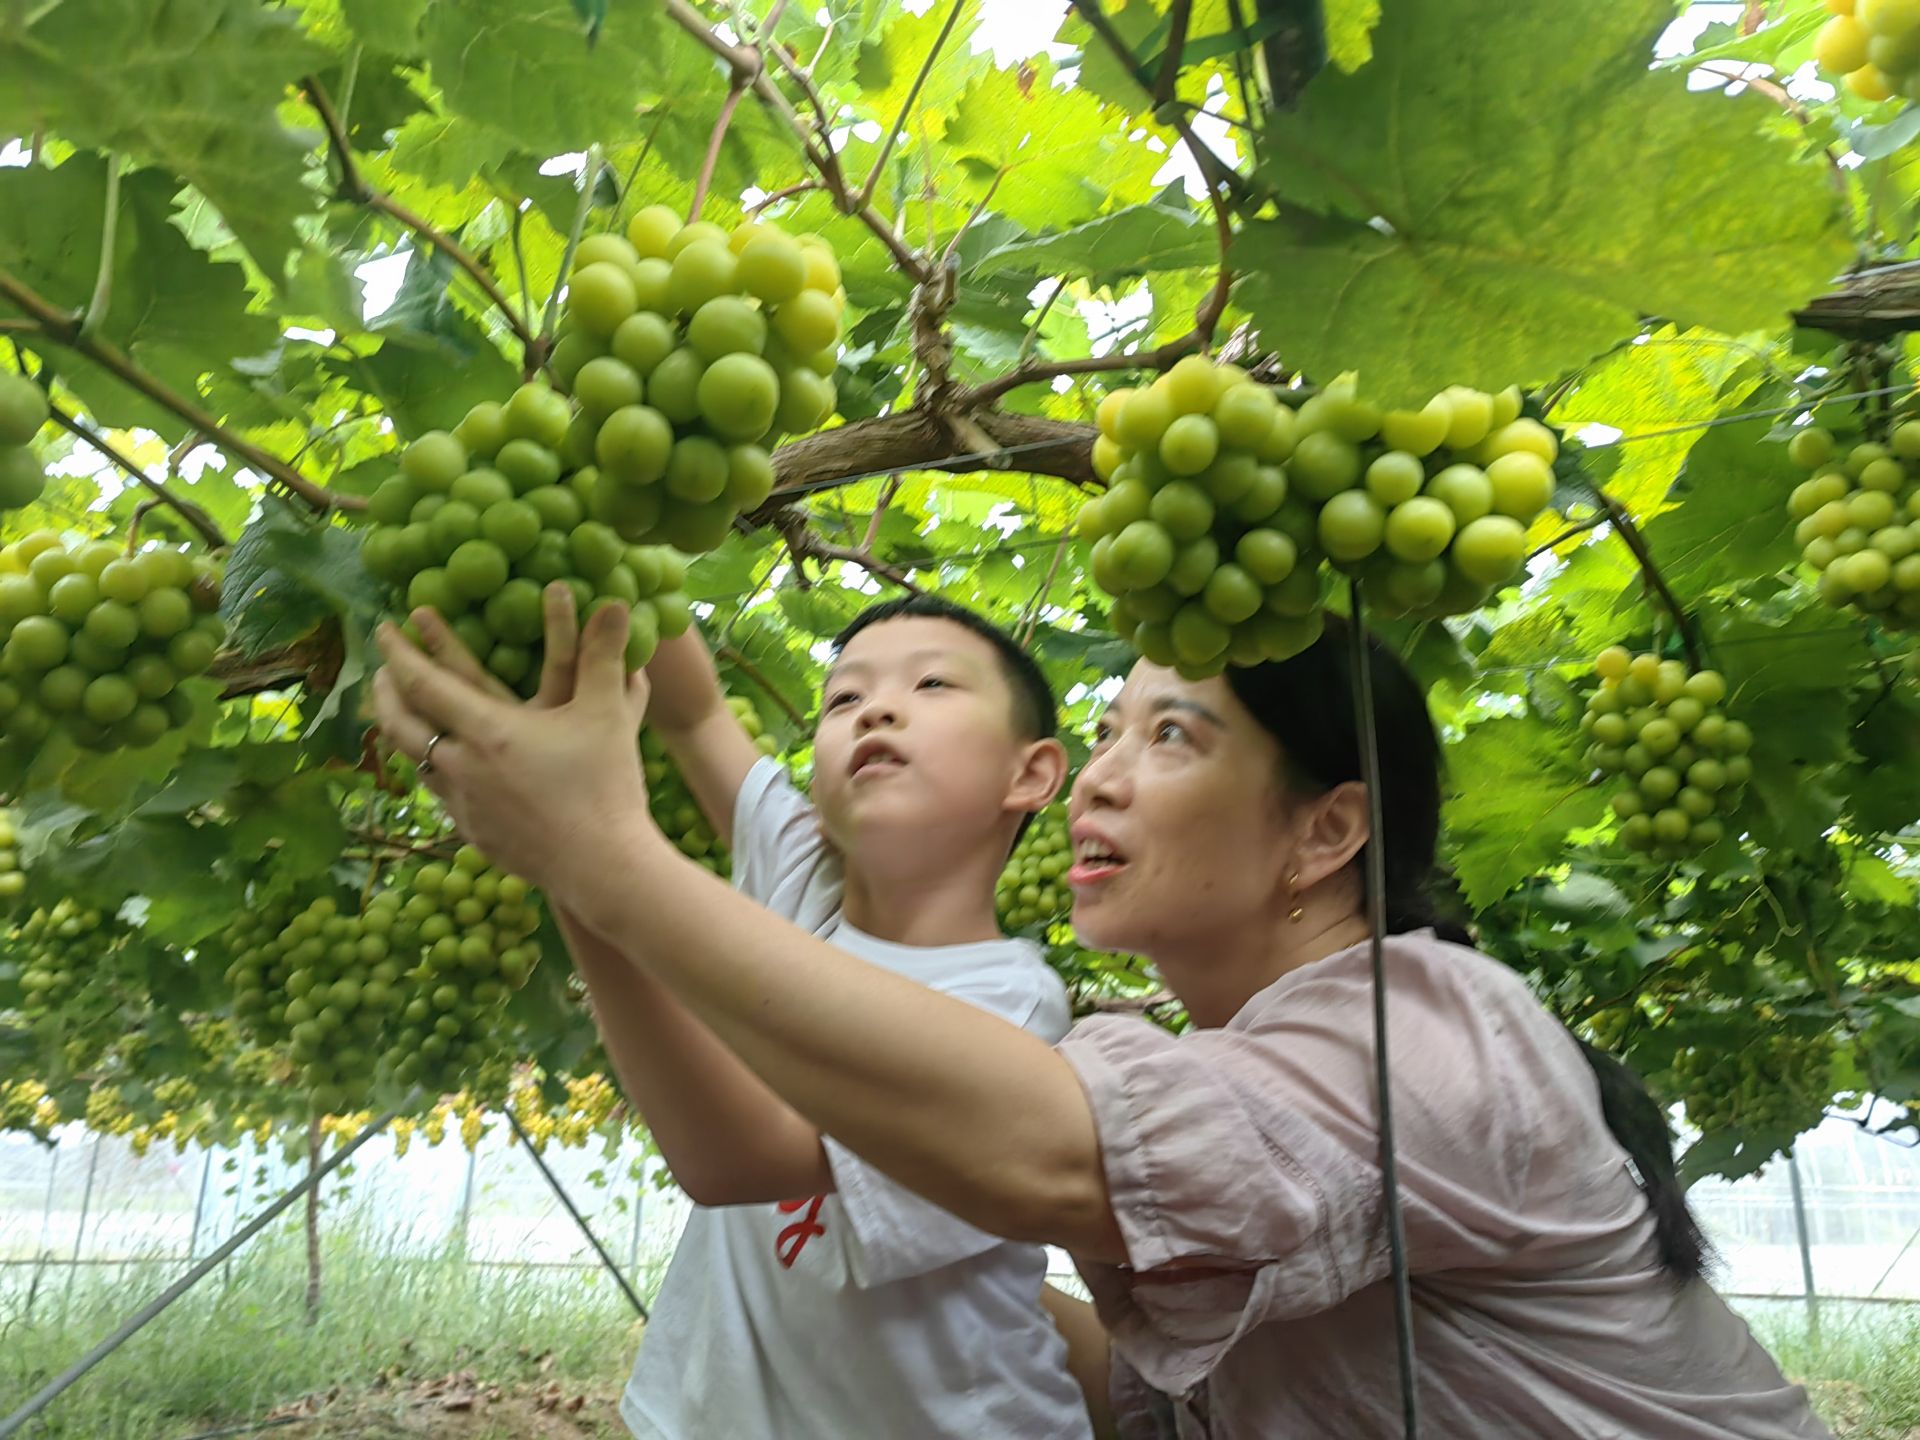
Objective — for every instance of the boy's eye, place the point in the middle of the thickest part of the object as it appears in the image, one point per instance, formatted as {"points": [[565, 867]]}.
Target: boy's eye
{"points": [[839, 698], [932, 680]]}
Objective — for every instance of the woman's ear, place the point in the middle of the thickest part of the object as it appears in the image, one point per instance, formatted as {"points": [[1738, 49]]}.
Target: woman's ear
{"points": [[1333, 828], [1043, 770]]}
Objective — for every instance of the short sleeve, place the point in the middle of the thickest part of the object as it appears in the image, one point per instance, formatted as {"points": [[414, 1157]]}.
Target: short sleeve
{"points": [[1243, 1165], [780, 858], [893, 1234]]}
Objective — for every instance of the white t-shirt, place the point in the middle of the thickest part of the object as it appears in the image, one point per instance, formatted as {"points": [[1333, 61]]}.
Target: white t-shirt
{"points": [[868, 1312]]}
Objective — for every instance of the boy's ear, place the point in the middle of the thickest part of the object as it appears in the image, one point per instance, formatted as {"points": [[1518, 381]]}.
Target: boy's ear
{"points": [[1043, 769]]}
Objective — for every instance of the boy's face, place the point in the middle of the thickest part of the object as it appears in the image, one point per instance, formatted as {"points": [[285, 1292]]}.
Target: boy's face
{"points": [[916, 732]]}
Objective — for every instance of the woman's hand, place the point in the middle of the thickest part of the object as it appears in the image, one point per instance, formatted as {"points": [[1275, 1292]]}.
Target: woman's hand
{"points": [[529, 784]]}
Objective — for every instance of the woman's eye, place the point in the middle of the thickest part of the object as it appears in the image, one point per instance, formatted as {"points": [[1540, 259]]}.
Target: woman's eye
{"points": [[1170, 730]]}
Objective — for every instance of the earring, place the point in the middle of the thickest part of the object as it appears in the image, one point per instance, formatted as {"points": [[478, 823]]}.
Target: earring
{"points": [[1298, 912]]}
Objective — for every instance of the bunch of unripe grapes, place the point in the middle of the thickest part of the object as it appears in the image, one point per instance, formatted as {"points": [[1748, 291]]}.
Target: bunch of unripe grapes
{"points": [[674, 809], [1779, 1080], [23, 410], [13, 880], [1032, 890], [97, 641], [1224, 503], [62, 948], [1662, 729], [689, 349], [478, 521], [1857, 521], [402, 988], [1873, 46]]}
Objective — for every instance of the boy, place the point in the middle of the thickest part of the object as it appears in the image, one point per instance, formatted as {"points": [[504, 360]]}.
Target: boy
{"points": [[811, 1296]]}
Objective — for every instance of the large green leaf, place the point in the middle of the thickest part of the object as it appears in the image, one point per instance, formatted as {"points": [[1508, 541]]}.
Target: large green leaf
{"points": [[1443, 228], [1729, 522], [1049, 156], [434, 363], [1664, 380], [1515, 790], [525, 68], [194, 88], [178, 313]]}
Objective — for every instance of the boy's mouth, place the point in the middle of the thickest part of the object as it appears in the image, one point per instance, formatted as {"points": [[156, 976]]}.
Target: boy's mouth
{"points": [[874, 756]]}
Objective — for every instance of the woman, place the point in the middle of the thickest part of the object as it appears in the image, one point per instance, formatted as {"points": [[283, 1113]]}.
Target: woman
{"points": [[1219, 1190]]}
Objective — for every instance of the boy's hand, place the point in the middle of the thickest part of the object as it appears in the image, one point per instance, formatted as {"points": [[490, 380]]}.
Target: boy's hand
{"points": [[529, 784]]}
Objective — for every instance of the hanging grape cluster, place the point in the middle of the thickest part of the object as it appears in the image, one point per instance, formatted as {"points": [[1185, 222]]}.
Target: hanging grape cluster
{"points": [[97, 641], [688, 350], [674, 809], [1779, 1081], [1032, 890], [403, 989], [23, 410], [477, 522], [1857, 521], [1873, 47], [1661, 728], [1224, 503], [61, 949]]}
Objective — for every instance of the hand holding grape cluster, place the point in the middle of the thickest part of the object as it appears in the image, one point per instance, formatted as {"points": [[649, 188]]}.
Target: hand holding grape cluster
{"points": [[1224, 503], [1663, 729]]}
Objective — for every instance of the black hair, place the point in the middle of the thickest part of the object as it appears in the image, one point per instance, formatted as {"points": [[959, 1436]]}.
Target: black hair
{"points": [[1036, 715], [1307, 704]]}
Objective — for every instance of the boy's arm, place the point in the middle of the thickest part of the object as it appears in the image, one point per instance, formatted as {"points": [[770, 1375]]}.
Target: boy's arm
{"points": [[727, 1138], [1089, 1354], [689, 713]]}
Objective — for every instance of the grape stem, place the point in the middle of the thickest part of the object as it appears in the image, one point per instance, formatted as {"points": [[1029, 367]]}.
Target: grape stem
{"points": [[806, 545], [731, 654], [1178, 17], [354, 187], [191, 513], [906, 106], [109, 226], [748, 63], [63, 329], [1030, 622], [714, 142], [589, 177], [1629, 533]]}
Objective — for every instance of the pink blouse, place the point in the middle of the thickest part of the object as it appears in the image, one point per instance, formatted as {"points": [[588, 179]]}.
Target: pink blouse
{"points": [[1243, 1166]]}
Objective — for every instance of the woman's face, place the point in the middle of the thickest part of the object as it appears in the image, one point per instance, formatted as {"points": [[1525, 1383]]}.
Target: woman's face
{"points": [[1181, 828]]}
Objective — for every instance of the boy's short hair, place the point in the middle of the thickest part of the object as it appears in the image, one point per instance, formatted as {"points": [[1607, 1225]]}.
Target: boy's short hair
{"points": [[1036, 715]]}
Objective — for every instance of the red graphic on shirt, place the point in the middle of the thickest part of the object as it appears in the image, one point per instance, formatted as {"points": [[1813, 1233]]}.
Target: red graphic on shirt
{"points": [[792, 1240]]}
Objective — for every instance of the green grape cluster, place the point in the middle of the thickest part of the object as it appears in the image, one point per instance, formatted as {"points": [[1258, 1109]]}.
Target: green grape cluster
{"points": [[23, 410], [13, 880], [478, 521], [401, 988], [1662, 728], [1778, 1081], [1857, 520], [62, 949], [1033, 889], [97, 641], [1224, 505], [688, 350], [674, 808], [1872, 47]]}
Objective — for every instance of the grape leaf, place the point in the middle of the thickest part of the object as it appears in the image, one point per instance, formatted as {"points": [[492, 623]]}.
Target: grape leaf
{"points": [[1444, 230], [525, 67], [1663, 380], [434, 363], [886, 67], [176, 312], [193, 88], [1048, 156], [1729, 519], [1514, 791], [1162, 234], [392, 26]]}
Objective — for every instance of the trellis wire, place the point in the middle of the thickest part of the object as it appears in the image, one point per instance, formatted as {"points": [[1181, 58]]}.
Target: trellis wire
{"points": [[1376, 882], [134, 1323]]}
